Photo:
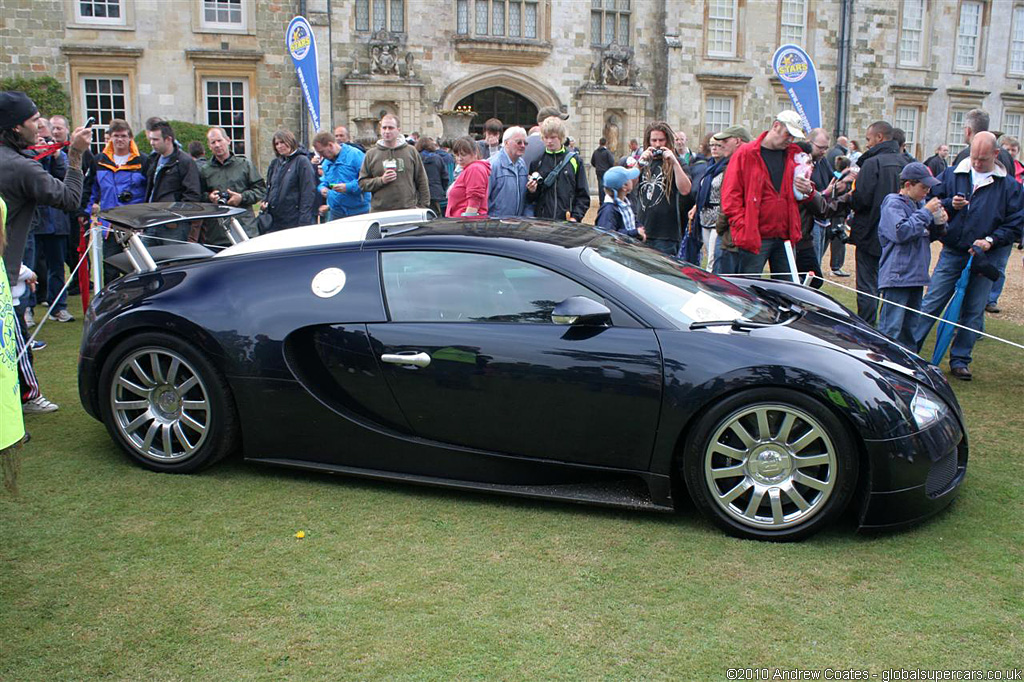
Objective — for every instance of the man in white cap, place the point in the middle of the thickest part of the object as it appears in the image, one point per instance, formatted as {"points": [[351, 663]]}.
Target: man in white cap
{"points": [[758, 196]]}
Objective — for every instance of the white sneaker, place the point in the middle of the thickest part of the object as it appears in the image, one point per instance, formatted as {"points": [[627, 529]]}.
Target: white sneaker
{"points": [[30, 321], [39, 405], [62, 316]]}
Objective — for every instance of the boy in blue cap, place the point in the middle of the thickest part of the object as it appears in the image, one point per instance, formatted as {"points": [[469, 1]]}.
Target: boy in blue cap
{"points": [[616, 213], [906, 227]]}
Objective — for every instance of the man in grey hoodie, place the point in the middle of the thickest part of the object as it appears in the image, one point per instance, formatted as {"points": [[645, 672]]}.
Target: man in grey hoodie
{"points": [[392, 171]]}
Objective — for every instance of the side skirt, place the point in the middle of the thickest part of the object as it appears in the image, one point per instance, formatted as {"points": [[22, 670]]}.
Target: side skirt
{"points": [[640, 492]]}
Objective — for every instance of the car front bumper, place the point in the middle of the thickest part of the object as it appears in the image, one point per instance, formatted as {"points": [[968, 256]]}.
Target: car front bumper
{"points": [[914, 477]]}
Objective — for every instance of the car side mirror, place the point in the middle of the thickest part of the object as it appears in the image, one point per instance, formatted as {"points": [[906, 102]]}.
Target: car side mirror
{"points": [[581, 311]]}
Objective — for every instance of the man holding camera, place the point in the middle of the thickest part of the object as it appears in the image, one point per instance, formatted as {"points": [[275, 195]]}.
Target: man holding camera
{"points": [[663, 183], [229, 179]]}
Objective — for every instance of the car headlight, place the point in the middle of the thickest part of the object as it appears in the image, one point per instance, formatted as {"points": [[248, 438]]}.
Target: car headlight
{"points": [[927, 408]]}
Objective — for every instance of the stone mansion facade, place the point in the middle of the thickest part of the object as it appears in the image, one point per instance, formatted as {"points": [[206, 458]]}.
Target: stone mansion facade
{"points": [[612, 65]]}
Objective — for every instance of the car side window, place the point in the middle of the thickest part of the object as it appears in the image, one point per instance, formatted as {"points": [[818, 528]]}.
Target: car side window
{"points": [[446, 286]]}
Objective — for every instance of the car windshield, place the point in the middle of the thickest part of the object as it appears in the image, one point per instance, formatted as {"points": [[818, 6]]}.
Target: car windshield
{"points": [[682, 292]]}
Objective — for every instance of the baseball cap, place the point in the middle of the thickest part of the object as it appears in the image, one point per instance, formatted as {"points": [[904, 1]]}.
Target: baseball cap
{"points": [[545, 112], [918, 172], [793, 123], [617, 176], [732, 131]]}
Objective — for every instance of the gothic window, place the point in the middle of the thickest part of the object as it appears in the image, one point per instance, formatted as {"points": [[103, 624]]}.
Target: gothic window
{"points": [[497, 18], [609, 22], [378, 15]]}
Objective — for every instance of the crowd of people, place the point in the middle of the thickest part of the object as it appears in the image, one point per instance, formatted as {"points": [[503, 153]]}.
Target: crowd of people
{"points": [[738, 203]]}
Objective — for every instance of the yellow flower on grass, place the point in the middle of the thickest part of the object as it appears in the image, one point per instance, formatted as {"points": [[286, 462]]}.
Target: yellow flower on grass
{"points": [[301, 534]]}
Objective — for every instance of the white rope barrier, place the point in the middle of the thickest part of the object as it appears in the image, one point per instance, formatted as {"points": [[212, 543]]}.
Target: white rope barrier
{"points": [[811, 275], [67, 283]]}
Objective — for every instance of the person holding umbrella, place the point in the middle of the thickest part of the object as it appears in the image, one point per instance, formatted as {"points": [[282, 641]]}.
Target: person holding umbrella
{"points": [[986, 209]]}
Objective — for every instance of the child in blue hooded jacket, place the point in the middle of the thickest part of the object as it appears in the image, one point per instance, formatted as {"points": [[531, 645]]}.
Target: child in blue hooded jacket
{"points": [[906, 227]]}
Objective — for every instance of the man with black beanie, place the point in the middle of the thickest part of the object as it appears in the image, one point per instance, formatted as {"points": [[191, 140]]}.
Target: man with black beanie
{"points": [[25, 184]]}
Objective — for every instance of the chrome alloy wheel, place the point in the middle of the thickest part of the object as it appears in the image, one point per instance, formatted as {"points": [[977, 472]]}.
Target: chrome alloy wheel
{"points": [[160, 405], [770, 466]]}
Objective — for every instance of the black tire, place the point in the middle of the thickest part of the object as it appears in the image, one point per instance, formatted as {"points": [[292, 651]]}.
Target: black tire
{"points": [[167, 405], [770, 464]]}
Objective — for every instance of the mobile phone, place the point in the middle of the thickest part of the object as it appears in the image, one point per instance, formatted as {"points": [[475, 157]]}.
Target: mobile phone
{"points": [[90, 122]]}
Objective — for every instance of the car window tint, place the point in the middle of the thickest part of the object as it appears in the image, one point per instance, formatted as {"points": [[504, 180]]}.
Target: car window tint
{"points": [[438, 286]]}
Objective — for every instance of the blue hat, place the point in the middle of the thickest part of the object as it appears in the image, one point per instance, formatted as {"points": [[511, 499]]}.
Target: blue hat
{"points": [[918, 172], [617, 176]]}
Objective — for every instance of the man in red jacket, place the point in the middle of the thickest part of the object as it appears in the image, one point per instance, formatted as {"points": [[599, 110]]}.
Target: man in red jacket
{"points": [[758, 197]]}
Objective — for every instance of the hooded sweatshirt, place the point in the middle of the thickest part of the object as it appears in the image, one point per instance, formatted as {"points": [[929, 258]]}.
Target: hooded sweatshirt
{"points": [[409, 190]]}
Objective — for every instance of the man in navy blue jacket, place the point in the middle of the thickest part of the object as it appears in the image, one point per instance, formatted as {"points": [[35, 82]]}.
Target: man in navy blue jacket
{"points": [[986, 209]]}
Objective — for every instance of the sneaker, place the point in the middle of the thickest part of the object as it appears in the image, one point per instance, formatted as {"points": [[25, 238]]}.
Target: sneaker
{"points": [[38, 345], [62, 316], [39, 405], [840, 273], [991, 308], [30, 320]]}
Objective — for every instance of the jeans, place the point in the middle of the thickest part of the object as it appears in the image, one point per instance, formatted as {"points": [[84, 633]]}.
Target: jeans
{"points": [[178, 232], [999, 262], [773, 252], [727, 262], [54, 248], [898, 323], [819, 232], [867, 282], [972, 311], [669, 247], [710, 243]]}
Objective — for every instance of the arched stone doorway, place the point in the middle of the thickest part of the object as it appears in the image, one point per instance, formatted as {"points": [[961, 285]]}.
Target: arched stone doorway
{"points": [[534, 91], [509, 107]]}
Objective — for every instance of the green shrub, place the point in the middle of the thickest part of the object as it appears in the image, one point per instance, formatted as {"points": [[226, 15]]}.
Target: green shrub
{"points": [[184, 133], [46, 91]]}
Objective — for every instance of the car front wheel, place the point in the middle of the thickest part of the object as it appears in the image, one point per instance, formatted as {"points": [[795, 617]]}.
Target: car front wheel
{"points": [[166, 404], [770, 464]]}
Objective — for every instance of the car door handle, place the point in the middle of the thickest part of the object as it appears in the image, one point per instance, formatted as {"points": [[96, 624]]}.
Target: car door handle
{"points": [[420, 359]]}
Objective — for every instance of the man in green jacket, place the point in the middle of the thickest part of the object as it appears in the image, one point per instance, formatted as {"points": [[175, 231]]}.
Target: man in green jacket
{"points": [[237, 178], [393, 172]]}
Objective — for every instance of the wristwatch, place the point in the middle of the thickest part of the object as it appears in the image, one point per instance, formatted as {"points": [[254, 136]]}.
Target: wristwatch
{"points": [[990, 240]]}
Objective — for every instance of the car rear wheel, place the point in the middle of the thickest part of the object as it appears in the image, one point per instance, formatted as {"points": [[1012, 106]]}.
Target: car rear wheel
{"points": [[166, 404], [770, 464]]}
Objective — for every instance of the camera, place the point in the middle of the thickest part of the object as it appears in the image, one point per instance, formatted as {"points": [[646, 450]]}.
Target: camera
{"points": [[125, 197], [536, 177], [658, 153], [224, 196]]}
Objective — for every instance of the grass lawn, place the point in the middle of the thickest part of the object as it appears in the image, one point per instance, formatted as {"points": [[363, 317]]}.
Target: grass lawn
{"points": [[110, 571]]}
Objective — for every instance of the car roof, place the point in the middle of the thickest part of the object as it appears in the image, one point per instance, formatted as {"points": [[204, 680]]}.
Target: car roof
{"points": [[369, 228]]}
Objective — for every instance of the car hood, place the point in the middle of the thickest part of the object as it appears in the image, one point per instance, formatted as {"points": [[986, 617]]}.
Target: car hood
{"points": [[856, 339]]}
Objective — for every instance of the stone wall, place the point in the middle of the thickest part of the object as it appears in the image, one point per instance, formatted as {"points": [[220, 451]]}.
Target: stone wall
{"points": [[168, 55]]}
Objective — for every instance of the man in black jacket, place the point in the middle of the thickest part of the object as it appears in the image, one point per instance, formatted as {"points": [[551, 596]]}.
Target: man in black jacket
{"points": [[879, 176], [601, 160], [24, 185], [171, 176], [977, 121], [938, 161]]}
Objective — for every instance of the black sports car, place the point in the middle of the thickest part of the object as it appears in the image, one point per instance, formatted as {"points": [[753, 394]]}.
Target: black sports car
{"points": [[549, 360]]}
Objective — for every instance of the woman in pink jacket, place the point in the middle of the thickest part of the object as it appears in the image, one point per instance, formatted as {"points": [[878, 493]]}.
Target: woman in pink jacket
{"points": [[468, 194]]}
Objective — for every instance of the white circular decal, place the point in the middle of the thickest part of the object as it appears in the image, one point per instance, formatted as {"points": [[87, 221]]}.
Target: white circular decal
{"points": [[328, 282]]}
